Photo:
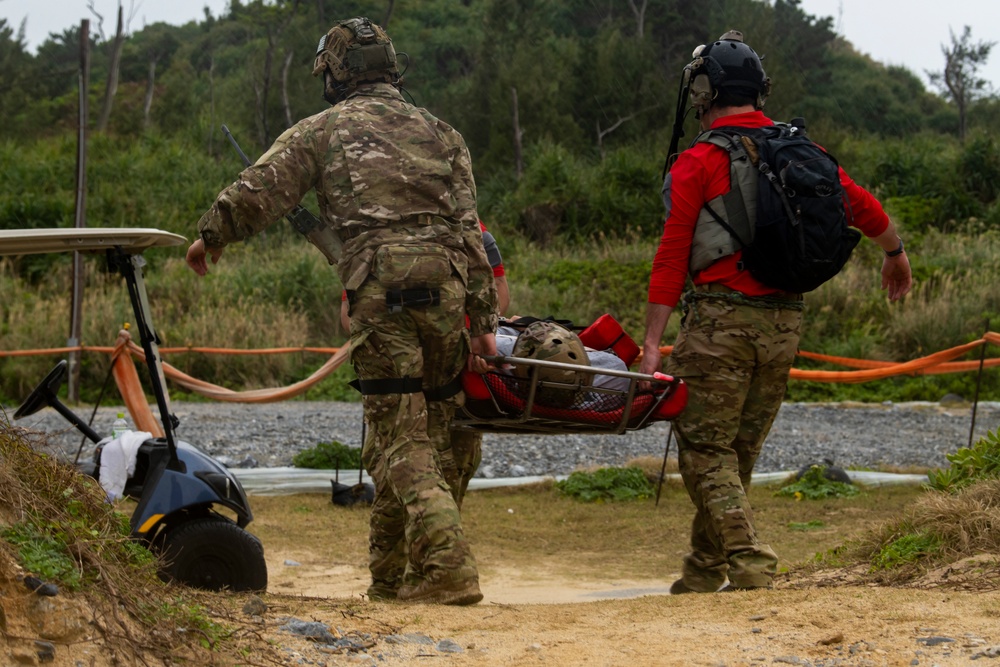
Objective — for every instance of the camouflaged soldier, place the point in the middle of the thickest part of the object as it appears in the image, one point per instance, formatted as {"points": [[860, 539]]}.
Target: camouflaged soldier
{"points": [[395, 184], [739, 336]]}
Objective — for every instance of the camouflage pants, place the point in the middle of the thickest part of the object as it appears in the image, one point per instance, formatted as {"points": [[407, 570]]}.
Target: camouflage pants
{"points": [[735, 359], [467, 452], [415, 527]]}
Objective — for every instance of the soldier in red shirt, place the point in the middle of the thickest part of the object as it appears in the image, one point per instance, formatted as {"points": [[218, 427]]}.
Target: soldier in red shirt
{"points": [[738, 337]]}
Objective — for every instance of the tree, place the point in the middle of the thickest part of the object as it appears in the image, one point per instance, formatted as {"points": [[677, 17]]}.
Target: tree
{"points": [[14, 73], [114, 61], [959, 81]]}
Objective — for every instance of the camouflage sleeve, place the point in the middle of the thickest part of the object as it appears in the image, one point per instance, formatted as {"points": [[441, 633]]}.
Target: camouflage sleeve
{"points": [[266, 191], [481, 302]]}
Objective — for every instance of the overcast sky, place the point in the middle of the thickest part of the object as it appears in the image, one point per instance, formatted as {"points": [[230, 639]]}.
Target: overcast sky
{"points": [[895, 32]]}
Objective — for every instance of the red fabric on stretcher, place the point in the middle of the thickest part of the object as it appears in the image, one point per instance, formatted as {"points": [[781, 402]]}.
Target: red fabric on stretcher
{"points": [[509, 395]]}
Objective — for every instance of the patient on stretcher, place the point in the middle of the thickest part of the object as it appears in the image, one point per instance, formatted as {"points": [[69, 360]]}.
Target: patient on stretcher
{"points": [[550, 341], [548, 392]]}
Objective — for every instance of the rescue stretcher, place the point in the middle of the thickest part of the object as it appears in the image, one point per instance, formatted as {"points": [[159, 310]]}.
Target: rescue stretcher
{"points": [[500, 402]]}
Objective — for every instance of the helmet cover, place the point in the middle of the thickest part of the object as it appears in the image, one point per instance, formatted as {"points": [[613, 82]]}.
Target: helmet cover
{"points": [[356, 50], [548, 341]]}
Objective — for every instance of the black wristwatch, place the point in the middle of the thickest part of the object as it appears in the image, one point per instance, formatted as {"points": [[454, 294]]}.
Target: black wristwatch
{"points": [[895, 253]]}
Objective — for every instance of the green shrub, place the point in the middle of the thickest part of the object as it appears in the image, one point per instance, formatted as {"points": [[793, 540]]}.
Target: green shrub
{"points": [[607, 484], [813, 485], [968, 465], [329, 456], [906, 549]]}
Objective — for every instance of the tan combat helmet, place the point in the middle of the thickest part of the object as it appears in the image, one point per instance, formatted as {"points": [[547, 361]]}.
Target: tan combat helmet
{"points": [[354, 51], [548, 341]]}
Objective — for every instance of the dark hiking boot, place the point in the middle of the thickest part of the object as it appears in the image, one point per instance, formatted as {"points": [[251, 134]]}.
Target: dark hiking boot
{"points": [[462, 592], [381, 592], [679, 588], [730, 588]]}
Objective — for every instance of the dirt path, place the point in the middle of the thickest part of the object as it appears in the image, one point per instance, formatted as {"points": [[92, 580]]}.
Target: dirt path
{"points": [[544, 617]]}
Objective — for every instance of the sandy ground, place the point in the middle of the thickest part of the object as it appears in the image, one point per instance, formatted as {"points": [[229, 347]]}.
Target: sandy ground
{"points": [[543, 618]]}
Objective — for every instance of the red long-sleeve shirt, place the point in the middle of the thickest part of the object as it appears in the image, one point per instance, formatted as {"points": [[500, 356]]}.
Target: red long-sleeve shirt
{"points": [[700, 174]]}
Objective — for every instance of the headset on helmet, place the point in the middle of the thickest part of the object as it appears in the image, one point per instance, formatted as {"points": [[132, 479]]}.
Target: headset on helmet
{"points": [[352, 52], [548, 341], [726, 64]]}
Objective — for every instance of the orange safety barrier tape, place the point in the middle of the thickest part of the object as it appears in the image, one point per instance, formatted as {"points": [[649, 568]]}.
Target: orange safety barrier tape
{"points": [[210, 390], [936, 363], [129, 386], [939, 362], [169, 350]]}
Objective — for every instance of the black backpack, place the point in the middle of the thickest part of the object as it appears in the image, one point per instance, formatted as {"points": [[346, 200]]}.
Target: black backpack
{"points": [[800, 237]]}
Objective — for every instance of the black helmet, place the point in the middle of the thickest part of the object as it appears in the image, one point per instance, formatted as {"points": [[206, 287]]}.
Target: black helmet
{"points": [[730, 65]]}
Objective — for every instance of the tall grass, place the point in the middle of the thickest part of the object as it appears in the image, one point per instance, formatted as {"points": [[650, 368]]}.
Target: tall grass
{"points": [[279, 292]]}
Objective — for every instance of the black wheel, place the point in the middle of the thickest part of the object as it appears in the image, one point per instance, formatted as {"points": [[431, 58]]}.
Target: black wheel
{"points": [[214, 554]]}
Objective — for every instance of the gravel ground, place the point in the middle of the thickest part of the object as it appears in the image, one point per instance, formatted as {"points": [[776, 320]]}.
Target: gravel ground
{"points": [[911, 435]]}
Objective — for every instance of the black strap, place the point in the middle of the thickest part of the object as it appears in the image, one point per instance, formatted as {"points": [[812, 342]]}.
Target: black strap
{"points": [[384, 386], [417, 297], [523, 321], [408, 385], [725, 225], [445, 391]]}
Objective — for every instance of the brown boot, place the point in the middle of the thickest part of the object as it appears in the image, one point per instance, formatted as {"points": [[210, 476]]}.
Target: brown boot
{"points": [[461, 592]]}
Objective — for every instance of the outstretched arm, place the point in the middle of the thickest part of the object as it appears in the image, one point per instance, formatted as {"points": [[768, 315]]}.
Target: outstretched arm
{"points": [[897, 277]]}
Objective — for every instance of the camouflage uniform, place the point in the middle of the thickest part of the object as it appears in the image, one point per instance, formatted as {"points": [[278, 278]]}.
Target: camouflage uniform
{"points": [[735, 354], [396, 184]]}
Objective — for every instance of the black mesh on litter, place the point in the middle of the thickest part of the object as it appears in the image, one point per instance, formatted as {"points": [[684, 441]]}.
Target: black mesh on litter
{"points": [[588, 406]]}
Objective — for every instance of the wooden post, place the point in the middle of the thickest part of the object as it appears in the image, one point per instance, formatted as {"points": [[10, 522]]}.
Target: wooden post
{"points": [[76, 305]]}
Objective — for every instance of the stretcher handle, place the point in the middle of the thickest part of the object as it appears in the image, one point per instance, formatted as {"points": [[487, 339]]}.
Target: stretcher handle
{"points": [[499, 359]]}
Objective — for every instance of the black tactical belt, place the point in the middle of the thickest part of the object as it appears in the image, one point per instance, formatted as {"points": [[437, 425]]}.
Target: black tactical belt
{"points": [[408, 385], [446, 391], [418, 297], [384, 386]]}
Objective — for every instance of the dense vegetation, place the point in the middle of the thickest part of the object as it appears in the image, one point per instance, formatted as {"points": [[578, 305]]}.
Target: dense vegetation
{"points": [[577, 211]]}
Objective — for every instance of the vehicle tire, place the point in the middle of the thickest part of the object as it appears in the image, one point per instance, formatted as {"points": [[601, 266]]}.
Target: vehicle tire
{"points": [[213, 553]]}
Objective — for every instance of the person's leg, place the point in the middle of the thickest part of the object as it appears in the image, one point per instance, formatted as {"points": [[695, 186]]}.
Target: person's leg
{"points": [[467, 450], [387, 524], [776, 346], [715, 356], [389, 347]]}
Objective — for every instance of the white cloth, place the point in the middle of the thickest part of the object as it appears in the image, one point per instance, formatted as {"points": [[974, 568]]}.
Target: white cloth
{"points": [[118, 461]]}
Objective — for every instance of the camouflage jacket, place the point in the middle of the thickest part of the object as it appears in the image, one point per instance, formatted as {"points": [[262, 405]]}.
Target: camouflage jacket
{"points": [[384, 171]]}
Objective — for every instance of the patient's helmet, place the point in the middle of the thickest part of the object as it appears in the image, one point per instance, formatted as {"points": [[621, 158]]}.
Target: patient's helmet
{"points": [[548, 341]]}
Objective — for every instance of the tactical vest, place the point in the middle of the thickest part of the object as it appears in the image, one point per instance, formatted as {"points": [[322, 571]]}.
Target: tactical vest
{"points": [[738, 207]]}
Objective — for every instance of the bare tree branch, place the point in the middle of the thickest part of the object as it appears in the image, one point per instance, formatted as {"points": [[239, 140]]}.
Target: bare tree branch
{"points": [[640, 17]]}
